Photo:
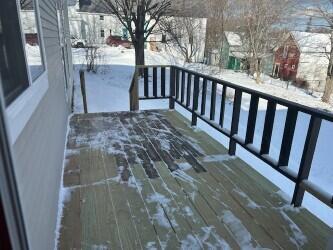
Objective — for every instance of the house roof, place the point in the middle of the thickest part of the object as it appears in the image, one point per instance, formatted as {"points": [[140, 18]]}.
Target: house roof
{"points": [[233, 38], [93, 6], [312, 42]]}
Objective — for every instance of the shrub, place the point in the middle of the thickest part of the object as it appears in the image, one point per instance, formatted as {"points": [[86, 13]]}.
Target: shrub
{"points": [[301, 83]]}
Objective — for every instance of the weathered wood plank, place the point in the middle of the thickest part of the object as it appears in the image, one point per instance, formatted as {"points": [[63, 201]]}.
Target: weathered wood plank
{"points": [[188, 184], [245, 228], [165, 233], [70, 232], [275, 225]]}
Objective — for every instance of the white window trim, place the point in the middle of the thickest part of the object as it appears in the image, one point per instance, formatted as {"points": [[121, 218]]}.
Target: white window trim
{"points": [[23, 107], [21, 110]]}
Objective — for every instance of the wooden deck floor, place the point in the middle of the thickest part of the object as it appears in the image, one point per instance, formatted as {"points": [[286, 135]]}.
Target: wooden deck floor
{"points": [[149, 181]]}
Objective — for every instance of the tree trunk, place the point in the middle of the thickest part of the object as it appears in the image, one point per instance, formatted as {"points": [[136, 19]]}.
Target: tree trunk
{"points": [[140, 52], [258, 71], [328, 90], [329, 80]]}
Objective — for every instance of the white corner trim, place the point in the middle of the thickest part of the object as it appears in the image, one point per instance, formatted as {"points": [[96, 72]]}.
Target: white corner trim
{"points": [[21, 110]]}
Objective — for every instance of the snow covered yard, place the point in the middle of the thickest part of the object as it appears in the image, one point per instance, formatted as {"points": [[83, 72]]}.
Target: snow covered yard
{"points": [[108, 91]]}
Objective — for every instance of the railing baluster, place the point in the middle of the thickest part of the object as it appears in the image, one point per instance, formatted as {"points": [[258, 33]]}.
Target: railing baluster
{"points": [[251, 122], [288, 135], [155, 81], [172, 88], [195, 100], [222, 111], [183, 87], [268, 128], [213, 101], [177, 84], [307, 157], [163, 81], [204, 96], [188, 90], [235, 121], [146, 82]]}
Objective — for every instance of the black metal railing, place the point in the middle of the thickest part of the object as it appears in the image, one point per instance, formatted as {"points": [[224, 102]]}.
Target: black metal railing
{"points": [[184, 89]]}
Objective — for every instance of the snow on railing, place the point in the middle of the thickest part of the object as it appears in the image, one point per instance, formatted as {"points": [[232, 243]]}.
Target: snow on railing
{"points": [[180, 88]]}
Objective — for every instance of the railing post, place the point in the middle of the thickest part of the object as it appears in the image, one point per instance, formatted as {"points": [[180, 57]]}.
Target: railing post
{"points": [[172, 88], [83, 91], [195, 101], [306, 161], [235, 121], [134, 93]]}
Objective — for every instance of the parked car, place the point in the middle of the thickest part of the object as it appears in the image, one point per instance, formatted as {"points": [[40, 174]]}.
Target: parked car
{"points": [[78, 43], [31, 39], [116, 41]]}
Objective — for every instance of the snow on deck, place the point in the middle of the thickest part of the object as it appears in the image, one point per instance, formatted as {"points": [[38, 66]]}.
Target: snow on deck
{"points": [[146, 180]]}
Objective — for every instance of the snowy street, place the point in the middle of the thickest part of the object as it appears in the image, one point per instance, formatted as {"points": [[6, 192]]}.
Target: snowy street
{"points": [[107, 91]]}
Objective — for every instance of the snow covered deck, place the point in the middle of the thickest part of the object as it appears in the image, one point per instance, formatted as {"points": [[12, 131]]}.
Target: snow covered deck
{"points": [[148, 180]]}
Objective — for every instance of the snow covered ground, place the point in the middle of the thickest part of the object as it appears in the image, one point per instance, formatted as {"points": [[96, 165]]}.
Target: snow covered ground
{"points": [[107, 91]]}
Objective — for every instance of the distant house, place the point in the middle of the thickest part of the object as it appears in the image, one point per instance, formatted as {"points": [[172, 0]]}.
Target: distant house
{"points": [[89, 20], [232, 53], [286, 59], [303, 56]]}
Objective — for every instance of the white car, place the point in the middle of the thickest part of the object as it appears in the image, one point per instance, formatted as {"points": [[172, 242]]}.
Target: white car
{"points": [[78, 43]]}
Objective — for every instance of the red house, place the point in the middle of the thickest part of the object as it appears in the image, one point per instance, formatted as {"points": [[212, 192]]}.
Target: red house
{"points": [[286, 60]]}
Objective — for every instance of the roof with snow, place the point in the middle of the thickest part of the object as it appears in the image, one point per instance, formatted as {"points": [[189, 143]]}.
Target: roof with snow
{"points": [[233, 38], [312, 42]]}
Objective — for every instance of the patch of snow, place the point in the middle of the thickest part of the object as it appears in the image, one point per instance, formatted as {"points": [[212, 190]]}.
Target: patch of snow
{"points": [[299, 239], [251, 203], [239, 231], [217, 158], [190, 243], [151, 246], [99, 247], [64, 193], [210, 232], [158, 198], [184, 166]]}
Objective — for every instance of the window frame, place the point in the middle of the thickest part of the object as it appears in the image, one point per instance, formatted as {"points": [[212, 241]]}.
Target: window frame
{"points": [[24, 105], [40, 40], [102, 32]]}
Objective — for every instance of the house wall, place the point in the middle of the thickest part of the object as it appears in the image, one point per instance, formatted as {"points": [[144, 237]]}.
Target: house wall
{"points": [[88, 26], [38, 150], [313, 68], [286, 61]]}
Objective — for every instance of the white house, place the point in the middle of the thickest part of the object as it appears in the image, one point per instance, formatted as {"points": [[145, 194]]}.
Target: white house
{"points": [[314, 57], [90, 22]]}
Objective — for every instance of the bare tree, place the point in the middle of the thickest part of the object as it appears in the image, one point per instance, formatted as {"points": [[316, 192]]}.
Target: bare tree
{"points": [[219, 12], [184, 35], [139, 17], [260, 22], [324, 11]]}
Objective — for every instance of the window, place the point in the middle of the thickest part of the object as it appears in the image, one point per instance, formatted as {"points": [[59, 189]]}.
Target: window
{"points": [[101, 17], [13, 70], [110, 32], [102, 33], [285, 51], [164, 38], [30, 30]]}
